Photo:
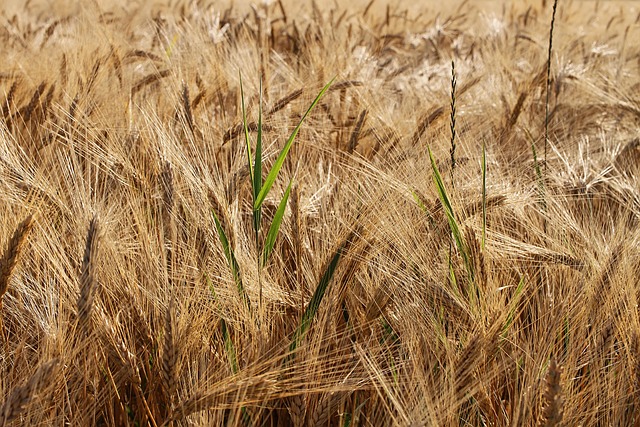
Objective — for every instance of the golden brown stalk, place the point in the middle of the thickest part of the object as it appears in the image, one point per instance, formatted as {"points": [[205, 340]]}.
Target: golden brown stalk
{"points": [[517, 109], [280, 104], [168, 223], [235, 183], [27, 111], [73, 108], [21, 396], [198, 99], [627, 160], [10, 257], [476, 207], [166, 183], [381, 298], [467, 363], [557, 258], [512, 118], [552, 412], [442, 298], [635, 361], [355, 134], [424, 123], [202, 248], [49, 32], [117, 64], [465, 87], [354, 254], [295, 223], [142, 54], [119, 348], [297, 241], [146, 81], [93, 75], [344, 85], [64, 72], [283, 11], [47, 101], [603, 281], [477, 259], [6, 107], [605, 339], [169, 353], [234, 132], [88, 282], [186, 105]]}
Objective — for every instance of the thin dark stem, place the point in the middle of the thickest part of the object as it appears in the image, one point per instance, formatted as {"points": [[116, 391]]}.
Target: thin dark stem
{"points": [[546, 112], [452, 151]]}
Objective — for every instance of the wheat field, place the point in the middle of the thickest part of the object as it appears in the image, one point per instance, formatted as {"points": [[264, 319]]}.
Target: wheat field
{"points": [[274, 214]]}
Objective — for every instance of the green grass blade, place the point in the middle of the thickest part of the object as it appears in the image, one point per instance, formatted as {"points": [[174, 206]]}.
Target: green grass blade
{"points": [[246, 130], [316, 299], [421, 204], [233, 361], [275, 226], [231, 258], [257, 171], [273, 173], [453, 224], [452, 274], [229, 347]]}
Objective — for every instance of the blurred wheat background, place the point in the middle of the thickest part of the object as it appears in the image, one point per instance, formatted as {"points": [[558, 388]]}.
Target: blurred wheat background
{"points": [[441, 260]]}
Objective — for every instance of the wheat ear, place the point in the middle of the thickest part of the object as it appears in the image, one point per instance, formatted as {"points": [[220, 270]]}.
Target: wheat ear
{"points": [[297, 410], [326, 408], [10, 257], [88, 283], [552, 412], [21, 396]]}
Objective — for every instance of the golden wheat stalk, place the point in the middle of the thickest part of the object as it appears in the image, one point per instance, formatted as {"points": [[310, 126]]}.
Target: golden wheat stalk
{"points": [[21, 396], [280, 104], [186, 105], [10, 257], [552, 411], [88, 282], [169, 352]]}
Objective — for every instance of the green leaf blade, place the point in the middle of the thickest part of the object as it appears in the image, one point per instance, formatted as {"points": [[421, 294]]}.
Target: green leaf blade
{"points": [[453, 224], [316, 299], [275, 169], [229, 347], [231, 259], [275, 226]]}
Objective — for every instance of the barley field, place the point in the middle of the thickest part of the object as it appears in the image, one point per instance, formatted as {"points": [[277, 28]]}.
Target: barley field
{"points": [[292, 214]]}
